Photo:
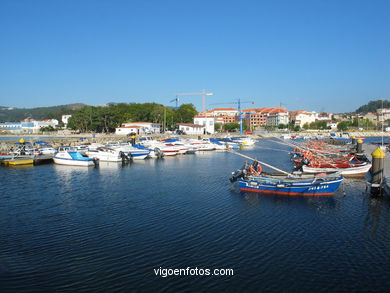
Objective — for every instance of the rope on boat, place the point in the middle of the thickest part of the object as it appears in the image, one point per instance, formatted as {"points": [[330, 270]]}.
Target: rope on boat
{"points": [[265, 164]]}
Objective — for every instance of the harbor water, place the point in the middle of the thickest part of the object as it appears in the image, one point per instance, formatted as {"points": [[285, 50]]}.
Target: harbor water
{"points": [[107, 229]]}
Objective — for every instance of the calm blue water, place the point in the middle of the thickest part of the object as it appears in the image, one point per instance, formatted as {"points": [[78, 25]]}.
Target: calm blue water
{"points": [[105, 229]]}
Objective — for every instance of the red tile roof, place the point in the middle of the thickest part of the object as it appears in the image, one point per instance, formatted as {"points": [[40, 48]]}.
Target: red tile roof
{"points": [[224, 109]]}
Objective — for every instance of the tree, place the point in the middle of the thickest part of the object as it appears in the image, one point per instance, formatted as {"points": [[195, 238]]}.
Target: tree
{"points": [[306, 126], [217, 126], [282, 126], [185, 113], [48, 128], [343, 125], [231, 126], [297, 128], [373, 106]]}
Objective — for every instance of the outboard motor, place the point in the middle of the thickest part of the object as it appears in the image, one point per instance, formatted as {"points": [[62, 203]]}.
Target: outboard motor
{"points": [[159, 153], [125, 158], [240, 173], [236, 175], [96, 162]]}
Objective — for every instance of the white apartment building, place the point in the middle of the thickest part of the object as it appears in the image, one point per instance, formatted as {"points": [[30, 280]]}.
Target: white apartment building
{"points": [[277, 117], [301, 117], [207, 122], [191, 128], [383, 114], [65, 119], [145, 127]]}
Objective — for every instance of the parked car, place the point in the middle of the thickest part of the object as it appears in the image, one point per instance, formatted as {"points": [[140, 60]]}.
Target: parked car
{"points": [[180, 132]]}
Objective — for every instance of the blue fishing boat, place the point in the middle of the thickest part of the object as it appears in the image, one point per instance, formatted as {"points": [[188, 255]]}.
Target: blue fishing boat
{"points": [[251, 179]]}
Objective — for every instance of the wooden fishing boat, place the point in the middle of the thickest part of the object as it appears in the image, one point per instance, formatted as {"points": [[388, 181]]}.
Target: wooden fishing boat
{"points": [[354, 171], [316, 186], [251, 179]]}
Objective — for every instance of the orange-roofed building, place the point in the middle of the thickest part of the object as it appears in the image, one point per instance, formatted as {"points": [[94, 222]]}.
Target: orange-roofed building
{"points": [[267, 116]]}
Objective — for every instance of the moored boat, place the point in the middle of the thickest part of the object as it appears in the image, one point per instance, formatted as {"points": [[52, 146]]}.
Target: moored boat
{"points": [[70, 156], [280, 184], [19, 160], [107, 154], [357, 171]]}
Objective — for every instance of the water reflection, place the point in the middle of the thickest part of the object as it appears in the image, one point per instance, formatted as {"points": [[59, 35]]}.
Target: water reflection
{"points": [[113, 165], [377, 221]]}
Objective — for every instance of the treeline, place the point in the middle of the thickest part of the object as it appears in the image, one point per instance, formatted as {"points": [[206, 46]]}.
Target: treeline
{"points": [[40, 113], [107, 118], [372, 106]]}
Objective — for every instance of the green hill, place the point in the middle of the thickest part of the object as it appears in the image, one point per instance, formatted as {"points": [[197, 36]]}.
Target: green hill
{"points": [[54, 112], [372, 106]]}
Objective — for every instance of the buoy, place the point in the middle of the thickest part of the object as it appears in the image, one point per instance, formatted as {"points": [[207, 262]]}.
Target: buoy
{"points": [[22, 140]]}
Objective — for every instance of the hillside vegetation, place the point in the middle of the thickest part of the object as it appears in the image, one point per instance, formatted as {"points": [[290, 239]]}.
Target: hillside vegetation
{"points": [[54, 112], [372, 106]]}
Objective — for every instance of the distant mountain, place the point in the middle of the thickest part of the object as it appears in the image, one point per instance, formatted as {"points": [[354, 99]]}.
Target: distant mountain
{"points": [[372, 106], [8, 114]]}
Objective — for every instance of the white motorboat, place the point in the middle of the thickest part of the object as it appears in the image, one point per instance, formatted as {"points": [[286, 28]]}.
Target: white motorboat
{"points": [[129, 150], [107, 154], [70, 156], [158, 146], [47, 150]]}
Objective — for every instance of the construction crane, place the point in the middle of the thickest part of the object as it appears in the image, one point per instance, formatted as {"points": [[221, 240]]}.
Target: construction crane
{"points": [[175, 100], [203, 94], [238, 103]]}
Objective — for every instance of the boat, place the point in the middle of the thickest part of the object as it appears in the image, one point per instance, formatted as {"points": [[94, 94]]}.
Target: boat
{"points": [[19, 160], [107, 154], [290, 185], [202, 145], [48, 150], [229, 143], [219, 146], [70, 156], [45, 148], [358, 171], [129, 150], [153, 153], [244, 141], [159, 147], [285, 136]]}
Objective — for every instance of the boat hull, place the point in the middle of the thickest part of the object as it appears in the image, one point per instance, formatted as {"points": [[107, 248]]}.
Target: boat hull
{"points": [[18, 162], [139, 156], [70, 162], [301, 188], [346, 172]]}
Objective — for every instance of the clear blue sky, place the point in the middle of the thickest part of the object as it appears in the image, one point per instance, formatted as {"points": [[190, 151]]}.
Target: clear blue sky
{"points": [[331, 55]]}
